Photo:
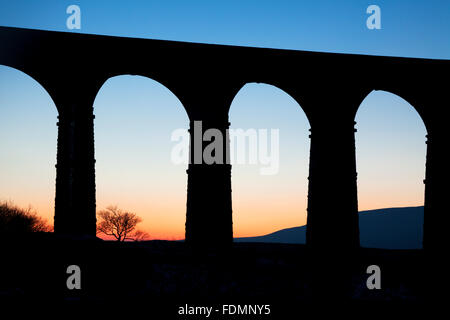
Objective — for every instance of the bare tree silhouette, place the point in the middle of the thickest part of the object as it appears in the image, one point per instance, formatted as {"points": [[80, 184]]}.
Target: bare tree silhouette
{"points": [[120, 224]]}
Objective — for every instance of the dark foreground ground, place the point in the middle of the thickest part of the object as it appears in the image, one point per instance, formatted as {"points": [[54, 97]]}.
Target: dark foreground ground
{"points": [[162, 276]]}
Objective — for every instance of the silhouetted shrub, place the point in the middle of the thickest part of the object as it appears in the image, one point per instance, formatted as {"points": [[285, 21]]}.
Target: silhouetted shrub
{"points": [[15, 220]]}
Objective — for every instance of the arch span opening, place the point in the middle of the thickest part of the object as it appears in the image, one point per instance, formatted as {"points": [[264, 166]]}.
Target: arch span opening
{"points": [[270, 193], [135, 117], [390, 153], [28, 137]]}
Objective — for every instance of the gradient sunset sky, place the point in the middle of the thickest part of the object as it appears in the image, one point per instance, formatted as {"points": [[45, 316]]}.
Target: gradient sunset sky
{"points": [[135, 116]]}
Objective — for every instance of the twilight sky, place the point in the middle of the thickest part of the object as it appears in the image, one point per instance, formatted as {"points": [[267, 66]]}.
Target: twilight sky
{"points": [[135, 116]]}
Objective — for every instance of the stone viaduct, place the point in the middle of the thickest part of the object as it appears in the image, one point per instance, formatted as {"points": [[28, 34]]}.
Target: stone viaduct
{"points": [[329, 88]]}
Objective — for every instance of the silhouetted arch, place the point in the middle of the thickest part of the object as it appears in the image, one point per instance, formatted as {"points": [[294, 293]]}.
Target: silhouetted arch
{"points": [[407, 96], [173, 90], [392, 182], [286, 91], [263, 202], [141, 178], [27, 162], [35, 79]]}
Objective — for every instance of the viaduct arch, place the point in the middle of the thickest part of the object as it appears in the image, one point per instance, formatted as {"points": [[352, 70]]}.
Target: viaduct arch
{"points": [[205, 78]]}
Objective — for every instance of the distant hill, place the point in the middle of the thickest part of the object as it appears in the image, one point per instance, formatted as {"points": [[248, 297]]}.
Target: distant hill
{"points": [[391, 228]]}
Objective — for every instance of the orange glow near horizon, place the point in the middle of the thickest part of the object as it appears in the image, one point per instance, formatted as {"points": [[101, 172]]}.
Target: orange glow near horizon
{"points": [[256, 221]]}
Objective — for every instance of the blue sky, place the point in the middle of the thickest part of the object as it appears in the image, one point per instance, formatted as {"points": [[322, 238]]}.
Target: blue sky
{"points": [[409, 27], [390, 138]]}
